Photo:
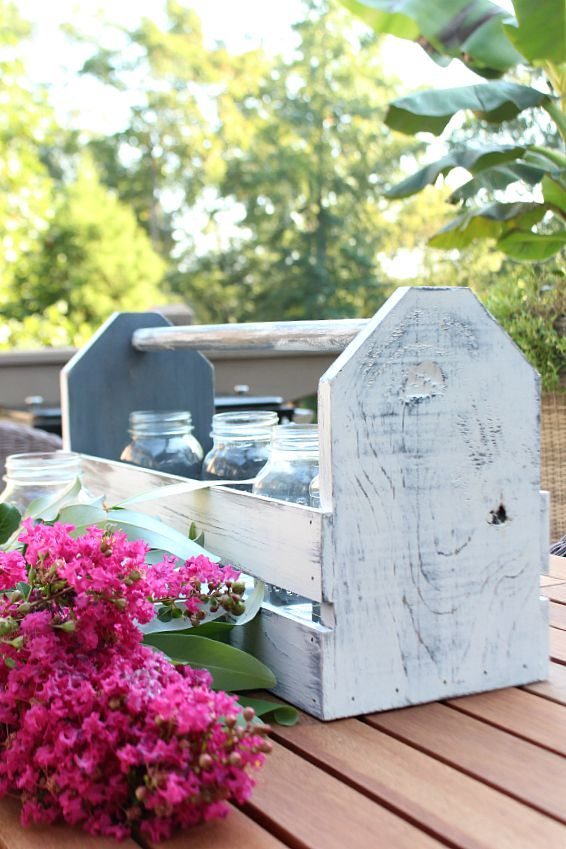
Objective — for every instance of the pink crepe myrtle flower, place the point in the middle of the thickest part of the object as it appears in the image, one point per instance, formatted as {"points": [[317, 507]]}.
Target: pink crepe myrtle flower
{"points": [[96, 729]]}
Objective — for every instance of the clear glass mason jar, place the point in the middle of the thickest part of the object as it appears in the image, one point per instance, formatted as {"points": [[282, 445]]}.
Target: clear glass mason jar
{"points": [[41, 473], [241, 445], [314, 492], [164, 441], [287, 476]]}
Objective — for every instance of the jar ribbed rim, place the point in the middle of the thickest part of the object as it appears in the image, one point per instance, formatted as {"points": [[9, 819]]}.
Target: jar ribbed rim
{"points": [[244, 425], [296, 437], [43, 466], [160, 422]]}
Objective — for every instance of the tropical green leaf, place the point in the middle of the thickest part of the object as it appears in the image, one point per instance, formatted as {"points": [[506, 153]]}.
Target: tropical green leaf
{"points": [[272, 711], [489, 222], [531, 247], [497, 179], [174, 489], [231, 668], [474, 161], [554, 193], [471, 30], [215, 630], [10, 518], [540, 31], [82, 516], [430, 111]]}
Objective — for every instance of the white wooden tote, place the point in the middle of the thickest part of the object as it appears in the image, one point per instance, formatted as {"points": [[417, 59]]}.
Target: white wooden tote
{"points": [[432, 532]]}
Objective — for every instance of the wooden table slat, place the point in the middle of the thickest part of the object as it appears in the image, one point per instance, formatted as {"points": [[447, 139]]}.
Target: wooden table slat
{"points": [[551, 580], [557, 566], [520, 713], [14, 836], [236, 832], [482, 751], [557, 615], [310, 809], [556, 592], [450, 804], [553, 689], [558, 645]]}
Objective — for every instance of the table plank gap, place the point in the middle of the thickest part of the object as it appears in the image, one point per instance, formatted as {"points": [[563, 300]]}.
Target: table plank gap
{"points": [[551, 581], [482, 752], [519, 713], [554, 689], [455, 807], [556, 592]]}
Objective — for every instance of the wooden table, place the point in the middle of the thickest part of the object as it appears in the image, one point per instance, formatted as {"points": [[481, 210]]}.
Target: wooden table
{"points": [[482, 772]]}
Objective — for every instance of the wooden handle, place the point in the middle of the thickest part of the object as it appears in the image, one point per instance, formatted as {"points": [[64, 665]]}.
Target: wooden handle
{"points": [[328, 337]]}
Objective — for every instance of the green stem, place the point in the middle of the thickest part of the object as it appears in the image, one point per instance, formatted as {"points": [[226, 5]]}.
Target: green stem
{"points": [[557, 116]]}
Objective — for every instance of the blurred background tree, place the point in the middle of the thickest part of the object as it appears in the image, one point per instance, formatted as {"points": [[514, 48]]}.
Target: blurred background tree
{"points": [[249, 184]]}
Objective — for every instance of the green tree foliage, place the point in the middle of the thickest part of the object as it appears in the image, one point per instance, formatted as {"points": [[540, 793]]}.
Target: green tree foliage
{"points": [[306, 161], [93, 259], [26, 127]]}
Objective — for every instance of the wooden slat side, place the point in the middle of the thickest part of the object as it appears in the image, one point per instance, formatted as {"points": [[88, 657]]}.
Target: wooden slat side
{"points": [[273, 540], [520, 713], [14, 836], [449, 804], [558, 645], [308, 808], [518, 768], [553, 689], [557, 566], [557, 616], [236, 832]]}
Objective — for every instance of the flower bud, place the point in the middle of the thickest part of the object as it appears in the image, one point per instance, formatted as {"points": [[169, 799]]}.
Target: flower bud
{"points": [[205, 761], [248, 714], [235, 759], [239, 587]]}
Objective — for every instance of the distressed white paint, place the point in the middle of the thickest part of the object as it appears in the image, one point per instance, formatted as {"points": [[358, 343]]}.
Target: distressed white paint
{"points": [[429, 437], [432, 536], [291, 336], [240, 527]]}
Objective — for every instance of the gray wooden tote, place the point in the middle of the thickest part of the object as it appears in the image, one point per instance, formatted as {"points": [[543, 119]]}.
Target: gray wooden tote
{"points": [[432, 532], [109, 378]]}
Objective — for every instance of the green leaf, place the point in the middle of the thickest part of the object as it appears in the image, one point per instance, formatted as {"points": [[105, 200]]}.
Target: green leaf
{"points": [[470, 30], [472, 160], [82, 516], [272, 711], [489, 222], [540, 32], [47, 507], [497, 179], [531, 247], [231, 668], [554, 193], [24, 588], [156, 534], [10, 518], [430, 111]]}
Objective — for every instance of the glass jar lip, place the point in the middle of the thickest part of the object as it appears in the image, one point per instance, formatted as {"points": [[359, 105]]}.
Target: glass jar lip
{"points": [[160, 422], [244, 425], [296, 437], [43, 466]]}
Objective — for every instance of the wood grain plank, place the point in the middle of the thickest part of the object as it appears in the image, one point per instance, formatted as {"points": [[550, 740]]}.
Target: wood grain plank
{"points": [[14, 836], [554, 688], [557, 615], [519, 768], [557, 566], [462, 811], [236, 832], [308, 808], [558, 645], [556, 592], [520, 713]]}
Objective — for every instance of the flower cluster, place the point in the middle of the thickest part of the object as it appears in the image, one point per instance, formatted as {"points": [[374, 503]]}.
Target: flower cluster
{"points": [[97, 729]]}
